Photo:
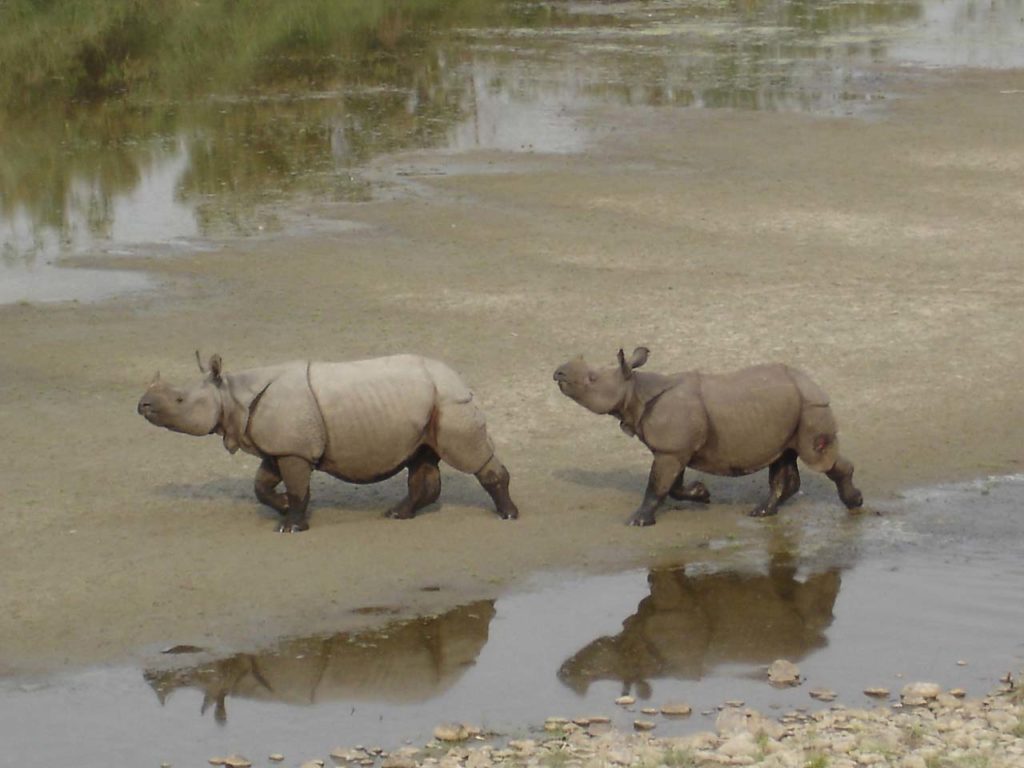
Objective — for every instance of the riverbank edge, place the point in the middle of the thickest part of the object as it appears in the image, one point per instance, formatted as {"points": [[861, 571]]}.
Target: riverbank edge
{"points": [[927, 727]]}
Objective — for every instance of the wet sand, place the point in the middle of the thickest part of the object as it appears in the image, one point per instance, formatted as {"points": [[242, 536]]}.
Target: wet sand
{"points": [[882, 255]]}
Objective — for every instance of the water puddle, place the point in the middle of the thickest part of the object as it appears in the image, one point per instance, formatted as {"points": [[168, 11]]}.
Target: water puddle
{"points": [[931, 591], [208, 148]]}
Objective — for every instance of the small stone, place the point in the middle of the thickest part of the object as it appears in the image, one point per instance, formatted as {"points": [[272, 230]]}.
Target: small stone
{"points": [[599, 729], [822, 694], [740, 745], [958, 693], [734, 702], [730, 721], [625, 701], [277, 757], [596, 719], [237, 761], [347, 755], [522, 745], [216, 761], [782, 673], [676, 710], [649, 711], [398, 761], [312, 764], [914, 691], [165, 765], [451, 732], [961, 663], [877, 692], [643, 725]]}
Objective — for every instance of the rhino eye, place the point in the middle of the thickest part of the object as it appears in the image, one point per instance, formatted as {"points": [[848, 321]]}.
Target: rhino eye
{"points": [[181, 399]]}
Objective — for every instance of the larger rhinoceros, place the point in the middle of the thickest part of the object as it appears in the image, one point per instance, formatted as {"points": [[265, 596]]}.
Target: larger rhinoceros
{"points": [[723, 424], [361, 421]]}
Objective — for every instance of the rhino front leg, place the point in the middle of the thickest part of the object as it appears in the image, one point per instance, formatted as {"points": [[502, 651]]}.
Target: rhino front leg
{"points": [[295, 472], [267, 479], [783, 480], [424, 485], [495, 478], [665, 470], [842, 475]]}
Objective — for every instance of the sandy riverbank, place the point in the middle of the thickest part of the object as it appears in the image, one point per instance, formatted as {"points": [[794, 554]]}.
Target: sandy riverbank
{"points": [[884, 256]]}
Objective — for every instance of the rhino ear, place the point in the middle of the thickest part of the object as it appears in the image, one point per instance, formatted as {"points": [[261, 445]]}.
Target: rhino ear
{"points": [[624, 366], [215, 367], [639, 357], [199, 362]]}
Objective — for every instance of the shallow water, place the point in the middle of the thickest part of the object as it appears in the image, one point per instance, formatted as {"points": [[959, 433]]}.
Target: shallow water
{"points": [[935, 581], [137, 174]]}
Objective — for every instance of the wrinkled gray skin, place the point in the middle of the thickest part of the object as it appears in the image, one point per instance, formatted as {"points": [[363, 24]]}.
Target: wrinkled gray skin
{"points": [[360, 421], [723, 424]]}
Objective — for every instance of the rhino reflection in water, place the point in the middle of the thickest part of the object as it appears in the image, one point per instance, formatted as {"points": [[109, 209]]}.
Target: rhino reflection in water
{"points": [[688, 625], [402, 662]]}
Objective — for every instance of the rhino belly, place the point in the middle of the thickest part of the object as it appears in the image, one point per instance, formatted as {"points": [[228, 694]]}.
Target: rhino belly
{"points": [[753, 416], [375, 414]]}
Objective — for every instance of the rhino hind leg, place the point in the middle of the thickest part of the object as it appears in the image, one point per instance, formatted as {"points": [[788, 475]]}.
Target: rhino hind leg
{"points": [[495, 478], [424, 485], [842, 475], [268, 477], [783, 480], [295, 472]]}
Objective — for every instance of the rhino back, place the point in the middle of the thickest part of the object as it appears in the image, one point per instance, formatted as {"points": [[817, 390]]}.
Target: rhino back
{"points": [[753, 415], [375, 412]]}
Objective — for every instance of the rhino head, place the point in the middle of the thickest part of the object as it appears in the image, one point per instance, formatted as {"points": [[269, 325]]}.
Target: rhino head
{"points": [[193, 410], [601, 390]]}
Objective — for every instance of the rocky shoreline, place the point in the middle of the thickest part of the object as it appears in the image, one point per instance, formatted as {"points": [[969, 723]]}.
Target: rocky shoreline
{"points": [[927, 728]]}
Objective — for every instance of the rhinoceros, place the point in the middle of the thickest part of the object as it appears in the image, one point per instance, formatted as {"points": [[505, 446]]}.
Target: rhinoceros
{"points": [[360, 421], [724, 424]]}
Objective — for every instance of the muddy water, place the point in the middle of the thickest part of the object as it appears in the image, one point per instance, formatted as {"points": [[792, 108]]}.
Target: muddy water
{"points": [[138, 175], [931, 590]]}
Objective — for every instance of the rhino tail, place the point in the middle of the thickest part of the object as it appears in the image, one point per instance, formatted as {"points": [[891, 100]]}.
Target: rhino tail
{"points": [[817, 440]]}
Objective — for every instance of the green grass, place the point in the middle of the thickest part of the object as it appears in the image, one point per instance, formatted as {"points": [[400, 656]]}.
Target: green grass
{"points": [[679, 758], [85, 50]]}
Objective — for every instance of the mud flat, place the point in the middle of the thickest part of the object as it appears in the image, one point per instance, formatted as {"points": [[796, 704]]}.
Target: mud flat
{"points": [[882, 255]]}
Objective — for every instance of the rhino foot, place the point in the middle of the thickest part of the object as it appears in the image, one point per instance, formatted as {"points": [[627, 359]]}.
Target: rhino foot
{"points": [[765, 510], [287, 527], [853, 499], [400, 512], [509, 512], [641, 521]]}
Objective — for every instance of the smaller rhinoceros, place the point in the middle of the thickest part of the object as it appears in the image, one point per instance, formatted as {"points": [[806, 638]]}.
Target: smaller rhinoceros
{"points": [[361, 421], [723, 424]]}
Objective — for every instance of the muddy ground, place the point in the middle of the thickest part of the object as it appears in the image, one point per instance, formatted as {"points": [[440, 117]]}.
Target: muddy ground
{"points": [[882, 254]]}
